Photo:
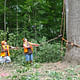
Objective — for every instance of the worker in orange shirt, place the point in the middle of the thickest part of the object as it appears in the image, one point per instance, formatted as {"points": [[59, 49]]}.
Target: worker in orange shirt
{"points": [[28, 50], [5, 54]]}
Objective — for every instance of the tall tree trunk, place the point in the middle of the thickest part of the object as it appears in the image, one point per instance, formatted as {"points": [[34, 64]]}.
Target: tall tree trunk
{"points": [[5, 19], [73, 30], [17, 26], [5, 15]]}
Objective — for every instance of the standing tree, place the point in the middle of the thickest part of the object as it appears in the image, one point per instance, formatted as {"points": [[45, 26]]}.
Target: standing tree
{"points": [[73, 30], [5, 15]]}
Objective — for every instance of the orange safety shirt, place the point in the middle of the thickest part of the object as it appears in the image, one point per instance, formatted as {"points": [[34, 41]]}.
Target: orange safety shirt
{"points": [[26, 49], [5, 50]]}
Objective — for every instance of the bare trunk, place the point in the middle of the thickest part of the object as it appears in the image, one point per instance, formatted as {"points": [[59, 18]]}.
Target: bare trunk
{"points": [[5, 15], [5, 19], [17, 26], [73, 30]]}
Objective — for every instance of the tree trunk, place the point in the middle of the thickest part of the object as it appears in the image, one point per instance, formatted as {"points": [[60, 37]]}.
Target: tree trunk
{"points": [[17, 25], [73, 30], [5, 15]]}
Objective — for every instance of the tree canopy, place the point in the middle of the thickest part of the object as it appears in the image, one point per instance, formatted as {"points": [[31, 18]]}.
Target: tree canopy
{"points": [[40, 16]]}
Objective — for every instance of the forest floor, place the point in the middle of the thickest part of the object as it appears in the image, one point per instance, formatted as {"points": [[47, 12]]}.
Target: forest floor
{"points": [[40, 71]]}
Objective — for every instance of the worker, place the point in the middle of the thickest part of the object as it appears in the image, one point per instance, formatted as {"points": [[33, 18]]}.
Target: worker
{"points": [[28, 50], [5, 55]]}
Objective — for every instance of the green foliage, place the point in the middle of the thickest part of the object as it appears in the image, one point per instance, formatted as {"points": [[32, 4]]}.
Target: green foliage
{"points": [[23, 70], [63, 76], [20, 74], [56, 75], [2, 35], [24, 77], [28, 74], [44, 14], [36, 65], [48, 52]]}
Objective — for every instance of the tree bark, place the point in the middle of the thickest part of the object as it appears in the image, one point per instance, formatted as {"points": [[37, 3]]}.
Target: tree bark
{"points": [[73, 31], [5, 15]]}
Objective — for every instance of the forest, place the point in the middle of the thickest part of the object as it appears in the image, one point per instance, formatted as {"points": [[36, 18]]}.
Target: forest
{"points": [[42, 22]]}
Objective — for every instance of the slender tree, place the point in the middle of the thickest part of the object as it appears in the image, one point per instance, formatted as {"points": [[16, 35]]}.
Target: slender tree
{"points": [[17, 26], [5, 15]]}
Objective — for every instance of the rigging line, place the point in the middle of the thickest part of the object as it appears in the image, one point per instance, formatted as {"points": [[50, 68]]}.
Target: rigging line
{"points": [[63, 26], [62, 19], [51, 39], [54, 38], [48, 40], [71, 43]]}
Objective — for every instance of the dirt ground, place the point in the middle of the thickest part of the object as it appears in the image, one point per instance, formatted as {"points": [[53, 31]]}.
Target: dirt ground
{"points": [[10, 69]]}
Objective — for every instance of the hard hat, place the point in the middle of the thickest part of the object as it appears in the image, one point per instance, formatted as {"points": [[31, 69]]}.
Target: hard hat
{"points": [[24, 39], [3, 42]]}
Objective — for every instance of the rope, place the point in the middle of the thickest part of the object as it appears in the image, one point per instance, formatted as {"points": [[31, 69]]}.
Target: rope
{"points": [[62, 21], [63, 27], [51, 39], [43, 42], [71, 43], [54, 38]]}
